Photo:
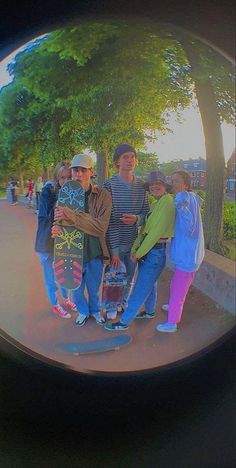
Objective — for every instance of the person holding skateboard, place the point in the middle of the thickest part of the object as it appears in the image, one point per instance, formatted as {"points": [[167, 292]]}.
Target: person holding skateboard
{"points": [[93, 221], [44, 244], [149, 250], [187, 247], [129, 208]]}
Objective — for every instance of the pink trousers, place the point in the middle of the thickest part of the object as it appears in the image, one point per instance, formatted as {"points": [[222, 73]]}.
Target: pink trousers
{"points": [[180, 284]]}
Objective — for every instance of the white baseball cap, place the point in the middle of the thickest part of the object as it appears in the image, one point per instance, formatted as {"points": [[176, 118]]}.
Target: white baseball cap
{"points": [[82, 160]]}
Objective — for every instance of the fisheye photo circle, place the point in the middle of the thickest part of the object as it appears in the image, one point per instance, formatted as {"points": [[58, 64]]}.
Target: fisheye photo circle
{"points": [[117, 196]]}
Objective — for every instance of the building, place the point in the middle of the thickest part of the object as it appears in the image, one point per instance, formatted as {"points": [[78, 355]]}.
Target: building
{"points": [[197, 169]]}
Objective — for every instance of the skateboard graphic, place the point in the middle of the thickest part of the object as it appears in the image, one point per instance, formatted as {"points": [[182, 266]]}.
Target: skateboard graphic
{"points": [[96, 346], [69, 244], [114, 282]]}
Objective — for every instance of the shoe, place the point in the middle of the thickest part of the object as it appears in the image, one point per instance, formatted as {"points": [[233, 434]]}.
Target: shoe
{"points": [[99, 318], [112, 314], [80, 320], [165, 307], [58, 310], [144, 315], [116, 326], [70, 305], [167, 327]]}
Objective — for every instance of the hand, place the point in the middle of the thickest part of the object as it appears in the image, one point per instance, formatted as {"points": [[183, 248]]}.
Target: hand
{"points": [[55, 230], [133, 258], [129, 218], [59, 214], [115, 261]]}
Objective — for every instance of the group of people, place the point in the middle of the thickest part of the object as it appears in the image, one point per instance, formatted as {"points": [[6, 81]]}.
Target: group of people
{"points": [[129, 221], [32, 187]]}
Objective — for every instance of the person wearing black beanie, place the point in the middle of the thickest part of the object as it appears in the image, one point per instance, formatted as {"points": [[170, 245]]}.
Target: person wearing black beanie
{"points": [[129, 209]]}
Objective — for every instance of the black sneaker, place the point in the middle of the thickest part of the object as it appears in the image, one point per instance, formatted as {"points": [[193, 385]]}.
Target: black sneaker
{"points": [[116, 326], [144, 315]]}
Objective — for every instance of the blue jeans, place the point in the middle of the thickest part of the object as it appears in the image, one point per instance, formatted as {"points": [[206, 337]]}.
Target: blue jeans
{"points": [[130, 269], [145, 288], [91, 279], [37, 199], [46, 260]]}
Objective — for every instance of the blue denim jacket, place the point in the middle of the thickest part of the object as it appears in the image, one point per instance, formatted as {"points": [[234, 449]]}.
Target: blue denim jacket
{"points": [[44, 242], [187, 247]]}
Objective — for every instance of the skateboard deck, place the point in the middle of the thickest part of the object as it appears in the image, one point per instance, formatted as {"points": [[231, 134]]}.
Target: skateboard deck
{"points": [[69, 244], [96, 346], [114, 282]]}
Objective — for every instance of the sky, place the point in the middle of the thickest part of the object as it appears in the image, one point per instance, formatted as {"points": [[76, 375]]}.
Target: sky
{"points": [[186, 139]]}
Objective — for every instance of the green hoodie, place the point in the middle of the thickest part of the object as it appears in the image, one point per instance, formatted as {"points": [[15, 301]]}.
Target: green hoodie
{"points": [[159, 224]]}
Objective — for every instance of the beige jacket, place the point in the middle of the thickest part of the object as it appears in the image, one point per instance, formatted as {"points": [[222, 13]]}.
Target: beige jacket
{"points": [[96, 221]]}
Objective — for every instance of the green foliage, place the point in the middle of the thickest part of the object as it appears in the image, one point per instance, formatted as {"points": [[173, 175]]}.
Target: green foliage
{"points": [[229, 220], [229, 217], [95, 85], [147, 162]]}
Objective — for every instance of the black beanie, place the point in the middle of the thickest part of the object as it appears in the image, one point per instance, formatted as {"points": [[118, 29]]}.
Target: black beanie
{"points": [[121, 149]]}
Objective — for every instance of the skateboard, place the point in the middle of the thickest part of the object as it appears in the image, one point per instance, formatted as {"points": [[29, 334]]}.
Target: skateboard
{"points": [[69, 244], [96, 346], [114, 282]]}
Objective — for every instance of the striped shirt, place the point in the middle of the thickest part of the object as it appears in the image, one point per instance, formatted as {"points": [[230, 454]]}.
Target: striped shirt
{"points": [[126, 198]]}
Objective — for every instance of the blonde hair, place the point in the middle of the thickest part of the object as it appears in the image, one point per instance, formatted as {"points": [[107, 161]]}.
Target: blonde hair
{"points": [[60, 167]]}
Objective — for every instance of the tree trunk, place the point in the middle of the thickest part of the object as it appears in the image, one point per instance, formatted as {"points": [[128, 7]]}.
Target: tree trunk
{"points": [[102, 167], [45, 174], [215, 163]]}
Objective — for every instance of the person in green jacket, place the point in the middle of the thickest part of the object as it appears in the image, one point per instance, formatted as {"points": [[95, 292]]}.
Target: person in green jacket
{"points": [[149, 249]]}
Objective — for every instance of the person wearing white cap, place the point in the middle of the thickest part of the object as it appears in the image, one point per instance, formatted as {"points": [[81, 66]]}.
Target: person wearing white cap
{"points": [[94, 223]]}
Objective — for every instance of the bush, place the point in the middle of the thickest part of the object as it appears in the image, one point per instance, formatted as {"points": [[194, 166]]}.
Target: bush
{"points": [[229, 220]]}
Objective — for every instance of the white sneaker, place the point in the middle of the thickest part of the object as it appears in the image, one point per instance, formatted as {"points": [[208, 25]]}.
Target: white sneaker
{"points": [[99, 318], [167, 327], [165, 307], [80, 320]]}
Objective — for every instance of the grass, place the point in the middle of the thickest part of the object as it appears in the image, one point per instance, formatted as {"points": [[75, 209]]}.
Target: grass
{"points": [[3, 193], [230, 249]]}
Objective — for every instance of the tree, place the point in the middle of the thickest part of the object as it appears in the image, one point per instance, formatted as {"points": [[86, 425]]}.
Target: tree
{"points": [[215, 96], [108, 84]]}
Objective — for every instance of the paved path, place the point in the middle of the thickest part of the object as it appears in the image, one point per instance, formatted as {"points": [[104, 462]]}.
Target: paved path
{"points": [[26, 316]]}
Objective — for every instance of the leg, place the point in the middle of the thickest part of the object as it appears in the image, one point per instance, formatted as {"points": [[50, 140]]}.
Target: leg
{"points": [[130, 269], [148, 274], [179, 287], [151, 301], [93, 278], [78, 296], [46, 261]]}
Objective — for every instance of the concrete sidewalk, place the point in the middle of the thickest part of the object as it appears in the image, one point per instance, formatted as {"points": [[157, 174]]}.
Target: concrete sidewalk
{"points": [[26, 316]]}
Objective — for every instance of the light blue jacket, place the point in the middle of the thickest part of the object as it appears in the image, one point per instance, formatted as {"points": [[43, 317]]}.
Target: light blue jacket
{"points": [[187, 247]]}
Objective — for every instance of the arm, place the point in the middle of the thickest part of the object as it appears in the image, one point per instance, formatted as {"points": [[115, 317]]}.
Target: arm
{"points": [[162, 222], [187, 211], [92, 225], [145, 210], [113, 228]]}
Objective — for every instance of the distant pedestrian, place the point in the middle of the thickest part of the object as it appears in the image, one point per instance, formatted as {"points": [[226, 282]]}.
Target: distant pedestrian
{"points": [[44, 244], [30, 190], [187, 247], [38, 187], [13, 187]]}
